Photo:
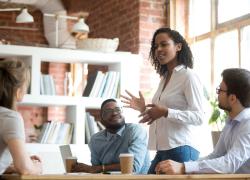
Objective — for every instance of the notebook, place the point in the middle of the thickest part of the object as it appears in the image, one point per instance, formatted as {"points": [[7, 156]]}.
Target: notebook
{"points": [[65, 153]]}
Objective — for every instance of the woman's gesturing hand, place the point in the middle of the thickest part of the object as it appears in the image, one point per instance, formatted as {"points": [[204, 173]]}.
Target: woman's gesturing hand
{"points": [[134, 102], [152, 113]]}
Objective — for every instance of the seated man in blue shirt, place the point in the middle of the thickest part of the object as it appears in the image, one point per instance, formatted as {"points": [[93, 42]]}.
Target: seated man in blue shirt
{"points": [[232, 152], [118, 137]]}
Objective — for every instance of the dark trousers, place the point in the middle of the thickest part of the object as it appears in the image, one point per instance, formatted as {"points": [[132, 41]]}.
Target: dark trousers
{"points": [[179, 154]]}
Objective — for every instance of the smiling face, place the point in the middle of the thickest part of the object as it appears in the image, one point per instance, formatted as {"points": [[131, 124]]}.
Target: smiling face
{"points": [[112, 117], [165, 49]]}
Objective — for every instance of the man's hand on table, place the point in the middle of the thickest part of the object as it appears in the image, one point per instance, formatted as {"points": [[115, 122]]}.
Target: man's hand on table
{"points": [[81, 167], [170, 167]]}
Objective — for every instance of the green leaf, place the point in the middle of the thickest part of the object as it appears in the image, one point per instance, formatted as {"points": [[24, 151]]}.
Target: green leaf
{"points": [[215, 115]]}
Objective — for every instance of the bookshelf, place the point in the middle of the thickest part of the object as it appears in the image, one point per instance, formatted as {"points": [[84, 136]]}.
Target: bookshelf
{"points": [[127, 64]]}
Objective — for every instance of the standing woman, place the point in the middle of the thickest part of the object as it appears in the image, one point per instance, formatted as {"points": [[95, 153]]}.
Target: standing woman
{"points": [[177, 106], [14, 80]]}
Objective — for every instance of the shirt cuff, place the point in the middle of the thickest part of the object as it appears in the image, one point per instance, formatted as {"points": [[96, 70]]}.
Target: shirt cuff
{"points": [[191, 167], [172, 113]]}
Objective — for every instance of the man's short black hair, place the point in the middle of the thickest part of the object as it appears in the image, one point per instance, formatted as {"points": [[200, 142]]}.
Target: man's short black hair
{"points": [[105, 102], [237, 81]]}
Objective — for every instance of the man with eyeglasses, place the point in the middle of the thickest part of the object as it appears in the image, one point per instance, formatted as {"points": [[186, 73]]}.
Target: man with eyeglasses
{"points": [[232, 152], [118, 137]]}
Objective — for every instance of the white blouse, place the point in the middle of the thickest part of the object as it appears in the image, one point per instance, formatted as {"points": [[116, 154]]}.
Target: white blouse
{"points": [[184, 98]]}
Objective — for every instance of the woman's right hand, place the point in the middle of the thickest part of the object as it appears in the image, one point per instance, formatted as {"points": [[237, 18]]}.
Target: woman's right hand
{"points": [[134, 102]]}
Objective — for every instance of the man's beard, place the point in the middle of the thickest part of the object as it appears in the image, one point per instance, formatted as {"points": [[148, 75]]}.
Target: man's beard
{"points": [[226, 108], [115, 127]]}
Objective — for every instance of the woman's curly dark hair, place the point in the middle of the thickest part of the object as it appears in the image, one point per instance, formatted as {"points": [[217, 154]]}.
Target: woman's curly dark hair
{"points": [[184, 56]]}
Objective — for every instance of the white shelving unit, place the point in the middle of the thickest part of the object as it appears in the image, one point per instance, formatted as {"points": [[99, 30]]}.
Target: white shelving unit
{"points": [[126, 63]]}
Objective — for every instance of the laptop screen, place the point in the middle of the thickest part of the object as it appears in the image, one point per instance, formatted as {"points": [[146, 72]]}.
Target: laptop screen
{"points": [[65, 153]]}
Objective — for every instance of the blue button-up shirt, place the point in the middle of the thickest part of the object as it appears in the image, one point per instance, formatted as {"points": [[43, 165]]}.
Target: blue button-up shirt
{"points": [[106, 147], [231, 153]]}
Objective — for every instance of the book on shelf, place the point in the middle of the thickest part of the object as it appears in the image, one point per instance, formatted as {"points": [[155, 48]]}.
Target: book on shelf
{"points": [[85, 76], [47, 132], [112, 84], [97, 84], [92, 124], [103, 84], [118, 90], [109, 85], [115, 86], [47, 85], [90, 82], [56, 133], [68, 84], [52, 85], [65, 134], [41, 136], [42, 88], [90, 127], [87, 132], [29, 85], [69, 135], [76, 70], [53, 135], [109, 79]]}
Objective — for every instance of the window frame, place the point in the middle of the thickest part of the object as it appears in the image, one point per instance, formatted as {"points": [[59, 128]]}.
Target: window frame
{"points": [[216, 28]]}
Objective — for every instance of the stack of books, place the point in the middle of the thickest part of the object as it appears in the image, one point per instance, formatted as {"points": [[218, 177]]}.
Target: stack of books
{"points": [[56, 133], [105, 85]]}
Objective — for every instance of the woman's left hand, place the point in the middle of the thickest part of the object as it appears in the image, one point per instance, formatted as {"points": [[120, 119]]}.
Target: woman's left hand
{"points": [[152, 113]]}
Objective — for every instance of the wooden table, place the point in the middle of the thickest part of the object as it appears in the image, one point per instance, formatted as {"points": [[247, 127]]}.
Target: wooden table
{"points": [[127, 177]]}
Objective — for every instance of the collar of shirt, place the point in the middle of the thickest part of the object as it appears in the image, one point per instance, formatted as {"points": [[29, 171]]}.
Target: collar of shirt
{"points": [[240, 117], [176, 69], [109, 135], [179, 67]]}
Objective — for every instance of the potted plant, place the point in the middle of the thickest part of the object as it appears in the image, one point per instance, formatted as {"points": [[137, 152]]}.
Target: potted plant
{"points": [[217, 120]]}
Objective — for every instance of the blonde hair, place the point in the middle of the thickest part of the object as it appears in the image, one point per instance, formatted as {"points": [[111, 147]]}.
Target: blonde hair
{"points": [[13, 75]]}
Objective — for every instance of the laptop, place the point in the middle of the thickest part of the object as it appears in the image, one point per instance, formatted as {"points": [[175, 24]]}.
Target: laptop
{"points": [[65, 153]]}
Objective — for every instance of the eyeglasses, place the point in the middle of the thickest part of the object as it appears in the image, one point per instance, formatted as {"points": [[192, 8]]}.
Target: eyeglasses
{"points": [[108, 112], [218, 90]]}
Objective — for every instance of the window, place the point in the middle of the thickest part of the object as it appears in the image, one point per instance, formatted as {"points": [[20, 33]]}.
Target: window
{"points": [[226, 53], [202, 65], [228, 10], [219, 33], [245, 48], [199, 18]]}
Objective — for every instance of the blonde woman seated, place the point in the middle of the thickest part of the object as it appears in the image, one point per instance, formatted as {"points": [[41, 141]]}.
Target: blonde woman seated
{"points": [[14, 79]]}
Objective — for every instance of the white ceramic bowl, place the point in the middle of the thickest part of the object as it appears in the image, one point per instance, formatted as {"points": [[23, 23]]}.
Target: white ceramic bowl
{"points": [[98, 44]]}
